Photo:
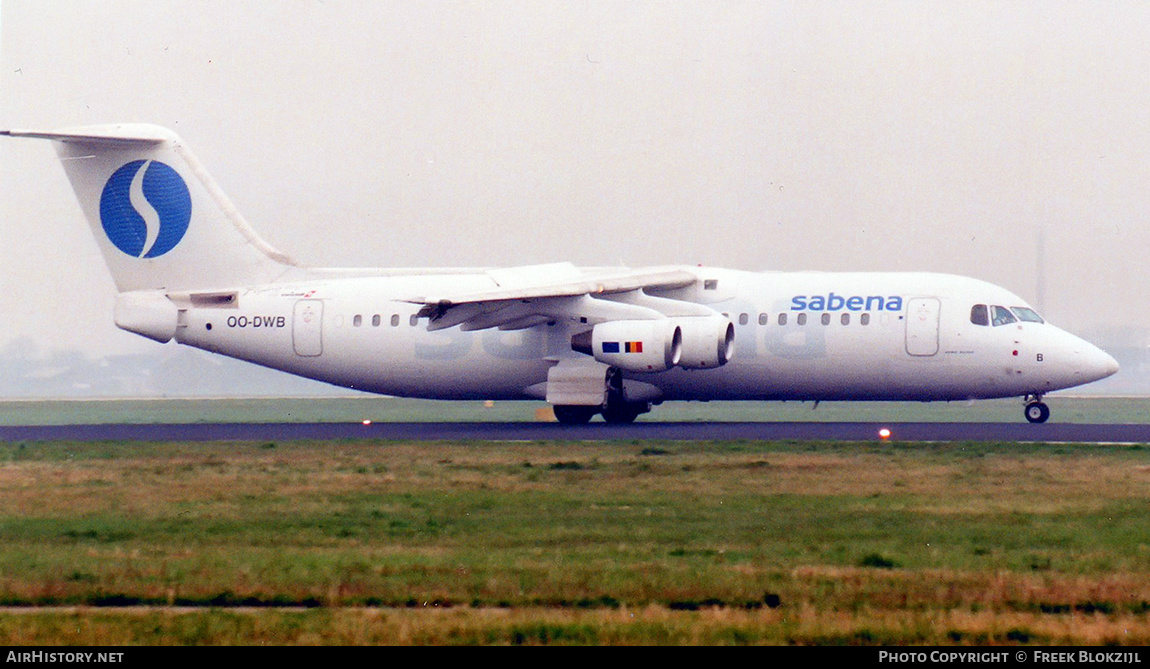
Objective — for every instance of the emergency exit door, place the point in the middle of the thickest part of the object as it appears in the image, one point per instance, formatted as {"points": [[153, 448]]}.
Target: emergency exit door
{"points": [[307, 328]]}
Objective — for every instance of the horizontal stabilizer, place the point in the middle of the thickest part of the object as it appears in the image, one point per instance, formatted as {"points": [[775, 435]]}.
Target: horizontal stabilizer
{"points": [[122, 134]]}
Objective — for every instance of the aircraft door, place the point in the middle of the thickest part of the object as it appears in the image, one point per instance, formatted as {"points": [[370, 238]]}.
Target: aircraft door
{"points": [[307, 328], [922, 315]]}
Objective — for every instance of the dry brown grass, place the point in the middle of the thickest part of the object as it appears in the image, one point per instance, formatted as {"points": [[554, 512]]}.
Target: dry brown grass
{"points": [[637, 543], [805, 625]]}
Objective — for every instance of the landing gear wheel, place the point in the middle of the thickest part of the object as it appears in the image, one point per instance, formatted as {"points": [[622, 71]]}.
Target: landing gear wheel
{"points": [[1037, 412], [623, 413], [617, 410], [574, 414]]}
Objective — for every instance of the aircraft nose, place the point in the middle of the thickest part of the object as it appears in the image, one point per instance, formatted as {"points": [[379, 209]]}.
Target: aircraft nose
{"points": [[1084, 362], [1107, 365], [1098, 364]]}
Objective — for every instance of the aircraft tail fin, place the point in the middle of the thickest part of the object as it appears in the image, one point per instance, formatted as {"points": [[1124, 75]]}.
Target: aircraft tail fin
{"points": [[159, 219]]}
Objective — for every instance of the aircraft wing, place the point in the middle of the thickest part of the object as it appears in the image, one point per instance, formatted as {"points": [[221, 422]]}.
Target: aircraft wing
{"points": [[528, 296]]}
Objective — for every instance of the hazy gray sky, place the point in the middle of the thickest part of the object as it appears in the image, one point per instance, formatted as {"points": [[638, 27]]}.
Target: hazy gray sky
{"points": [[755, 135]]}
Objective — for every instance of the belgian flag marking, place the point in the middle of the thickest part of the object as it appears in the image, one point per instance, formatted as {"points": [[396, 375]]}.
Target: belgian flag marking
{"points": [[623, 347]]}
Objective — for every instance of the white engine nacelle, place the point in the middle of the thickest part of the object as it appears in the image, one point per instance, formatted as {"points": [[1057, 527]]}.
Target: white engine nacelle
{"points": [[708, 341], [638, 346]]}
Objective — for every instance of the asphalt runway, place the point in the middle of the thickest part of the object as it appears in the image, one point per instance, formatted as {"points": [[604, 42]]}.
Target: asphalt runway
{"points": [[900, 432]]}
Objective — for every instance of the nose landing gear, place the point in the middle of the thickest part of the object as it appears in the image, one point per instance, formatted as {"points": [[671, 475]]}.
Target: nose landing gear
{"points": [[1036, 410]]}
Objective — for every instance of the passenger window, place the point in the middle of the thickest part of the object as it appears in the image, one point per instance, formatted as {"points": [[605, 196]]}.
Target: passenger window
{"points": [[845, 319], [782, 319], [414, 320], [802, 319], [763, 319], [1028, 315], [826, 319], [375, 321], [395, 320], [357, 321], [864, 319], [1002, 316], [978, 315], [743, 319]]}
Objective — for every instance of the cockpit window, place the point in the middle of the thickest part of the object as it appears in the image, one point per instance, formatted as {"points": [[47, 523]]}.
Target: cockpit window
{"points": [[1002, 316], [1028, 315], [979, 315]]}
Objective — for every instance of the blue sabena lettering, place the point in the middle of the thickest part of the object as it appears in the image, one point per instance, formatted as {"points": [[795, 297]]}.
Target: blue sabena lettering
{"points": [[832, 302]]}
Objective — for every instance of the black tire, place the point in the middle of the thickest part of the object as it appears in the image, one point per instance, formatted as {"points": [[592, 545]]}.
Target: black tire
{"points": [[573, 414], [626, 413], [1037, 412]]}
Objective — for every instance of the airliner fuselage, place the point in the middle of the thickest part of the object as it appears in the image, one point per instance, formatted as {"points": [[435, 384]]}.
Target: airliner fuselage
{"points": [[798, 336]]}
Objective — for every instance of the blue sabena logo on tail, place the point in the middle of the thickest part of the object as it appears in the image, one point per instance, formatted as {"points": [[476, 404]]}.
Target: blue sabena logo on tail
{"points": [[145, 208]]}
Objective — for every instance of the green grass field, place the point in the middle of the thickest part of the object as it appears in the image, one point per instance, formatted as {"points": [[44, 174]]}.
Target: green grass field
{"points": [[355, 409], [573, 543]]}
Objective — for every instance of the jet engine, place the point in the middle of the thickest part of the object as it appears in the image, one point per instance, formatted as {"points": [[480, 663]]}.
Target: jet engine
{"points": [[636, 346], [708, 341]]}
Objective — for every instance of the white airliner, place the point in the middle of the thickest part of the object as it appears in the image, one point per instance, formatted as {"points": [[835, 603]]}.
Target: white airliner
{"points": [[608, 341]]}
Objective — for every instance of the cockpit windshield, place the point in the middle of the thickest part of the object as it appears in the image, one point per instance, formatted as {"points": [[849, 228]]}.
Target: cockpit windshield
{"points": [[1002, 316], [1028, 315], [982, 314]]}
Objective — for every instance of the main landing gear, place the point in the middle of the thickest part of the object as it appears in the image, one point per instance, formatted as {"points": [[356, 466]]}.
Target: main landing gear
{"points": [[1036, 410], [615, 408]]}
